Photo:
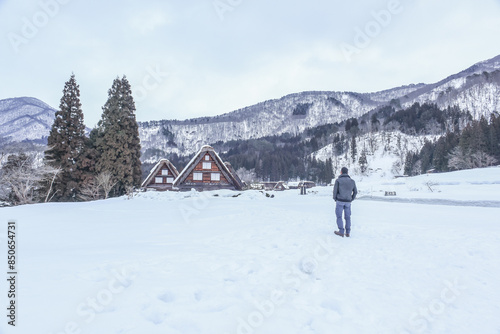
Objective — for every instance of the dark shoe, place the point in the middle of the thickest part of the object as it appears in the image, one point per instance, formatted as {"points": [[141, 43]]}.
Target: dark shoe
{"points": [[339, 234], [347, 235]]}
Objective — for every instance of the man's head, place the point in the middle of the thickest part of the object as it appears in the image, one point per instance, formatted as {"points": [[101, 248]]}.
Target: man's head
{"points": [[344, 170]]}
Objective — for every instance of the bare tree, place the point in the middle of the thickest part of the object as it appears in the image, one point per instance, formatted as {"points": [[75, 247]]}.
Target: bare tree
{"points": [[482, 159], [461, 160], [21, 180], [91, 190], [246, 175], [106, 182], [129, 191], [99, 187], [372, 143], [54, 172]]}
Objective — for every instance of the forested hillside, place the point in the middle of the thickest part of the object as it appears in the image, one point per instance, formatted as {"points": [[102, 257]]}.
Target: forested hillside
{"points": [[417, 139]]}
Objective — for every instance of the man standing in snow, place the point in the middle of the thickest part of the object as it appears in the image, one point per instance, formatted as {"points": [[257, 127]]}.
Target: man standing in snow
{"points": [[344, 192]]}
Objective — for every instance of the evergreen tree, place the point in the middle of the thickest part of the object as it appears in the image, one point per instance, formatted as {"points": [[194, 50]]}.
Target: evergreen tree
{"points": [[352, 126], [89, 158], [338, 143], [354, 150], [426, 154], [444, 146], [117, 142], [327, 171], [374, 122], [494, 135], [66, 143], [410, 163], [481, 137], [440, 156], [363, 162], [348, 125]]}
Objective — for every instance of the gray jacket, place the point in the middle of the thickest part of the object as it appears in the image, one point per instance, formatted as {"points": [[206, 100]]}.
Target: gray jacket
{"points": [[345, 189]]}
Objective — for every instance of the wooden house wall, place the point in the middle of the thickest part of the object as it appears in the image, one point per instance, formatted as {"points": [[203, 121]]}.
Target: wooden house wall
{"points": [[153, 182], [207, 173]]}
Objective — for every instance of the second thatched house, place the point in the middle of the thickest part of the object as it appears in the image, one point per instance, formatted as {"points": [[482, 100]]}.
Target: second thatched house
{"points": [[206, 171], [162, 176]]}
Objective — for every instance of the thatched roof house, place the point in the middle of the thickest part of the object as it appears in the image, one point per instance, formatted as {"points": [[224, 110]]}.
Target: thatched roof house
{"points": [[162, 176], [206, 171]]}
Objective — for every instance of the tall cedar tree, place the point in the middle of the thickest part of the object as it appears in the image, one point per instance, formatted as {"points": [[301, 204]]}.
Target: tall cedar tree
{"points": [[354, 150], [118, 144], [66, 143], [363, 161]]}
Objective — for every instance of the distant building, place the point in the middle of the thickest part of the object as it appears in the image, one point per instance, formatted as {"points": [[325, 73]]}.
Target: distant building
{"points": [[274, 185], [162, 176], [206, 171], [308, 184], [299, 184]]}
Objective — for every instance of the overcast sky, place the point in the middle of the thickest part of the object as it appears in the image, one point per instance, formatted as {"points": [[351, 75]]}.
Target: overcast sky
{"points": [[203, 57]]}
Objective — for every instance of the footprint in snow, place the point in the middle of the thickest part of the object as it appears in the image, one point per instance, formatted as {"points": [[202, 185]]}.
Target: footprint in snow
{"points": [[198, 295], [308, 265], [154, 315], [166, 297], [332, 305]]}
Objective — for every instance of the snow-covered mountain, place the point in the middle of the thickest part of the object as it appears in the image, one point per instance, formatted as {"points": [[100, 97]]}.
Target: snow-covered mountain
{"points": [[25, 118], [268, 118], [476, 89]]}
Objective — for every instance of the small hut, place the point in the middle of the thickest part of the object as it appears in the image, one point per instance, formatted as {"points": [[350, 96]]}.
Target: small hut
{"points": [[300, 184], [274, 185], [308, 184], [280, 186], [206, 171], [162, 176]]}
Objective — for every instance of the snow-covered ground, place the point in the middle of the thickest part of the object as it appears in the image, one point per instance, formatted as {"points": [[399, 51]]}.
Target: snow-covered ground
{"points": [[474, 187], [200, 263]]}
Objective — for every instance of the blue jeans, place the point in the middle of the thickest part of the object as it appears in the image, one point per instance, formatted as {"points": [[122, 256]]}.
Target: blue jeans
{"points": [[346, 208]]}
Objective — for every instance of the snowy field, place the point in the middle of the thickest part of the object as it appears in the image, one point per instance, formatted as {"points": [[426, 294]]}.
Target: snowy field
{"points": [[475, 187], [420, 262]]}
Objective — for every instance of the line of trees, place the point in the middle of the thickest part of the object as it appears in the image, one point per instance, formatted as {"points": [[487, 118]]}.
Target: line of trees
{"points": [[283, 157], [476, 145], [76, 167]]}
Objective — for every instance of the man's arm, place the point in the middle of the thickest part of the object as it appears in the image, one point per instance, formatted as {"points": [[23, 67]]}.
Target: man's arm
{"points": [[354, 191], [335, 190]]}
